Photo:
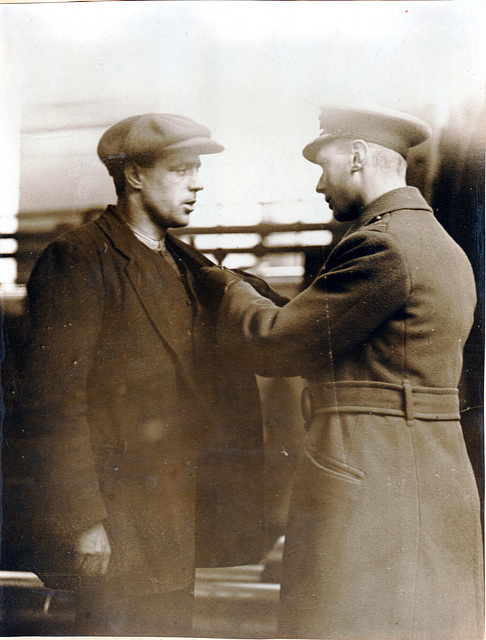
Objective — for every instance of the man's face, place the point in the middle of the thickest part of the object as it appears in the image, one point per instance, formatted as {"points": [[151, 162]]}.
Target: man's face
{"points": [[169, 188], [337, 182]]}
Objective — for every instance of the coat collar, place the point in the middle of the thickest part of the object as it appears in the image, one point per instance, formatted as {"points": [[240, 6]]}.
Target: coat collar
{"points": [[403, 198], [118, 232], [125, 242]]}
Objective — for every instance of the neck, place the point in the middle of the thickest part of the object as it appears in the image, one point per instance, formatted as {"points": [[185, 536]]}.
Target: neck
{"points": [[376, 188], [139, 221]]}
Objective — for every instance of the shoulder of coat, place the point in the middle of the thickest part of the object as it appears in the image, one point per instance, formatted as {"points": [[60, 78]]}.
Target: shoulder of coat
{"points": [[87, 239], [379, 223], [82, 233]]}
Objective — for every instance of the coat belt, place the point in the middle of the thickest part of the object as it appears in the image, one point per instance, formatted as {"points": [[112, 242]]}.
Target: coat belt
{"points": [[381, 398]]}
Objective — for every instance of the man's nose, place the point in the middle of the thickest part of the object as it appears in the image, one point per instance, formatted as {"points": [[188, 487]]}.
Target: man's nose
{"points": [[195, 183], [320, 187]]}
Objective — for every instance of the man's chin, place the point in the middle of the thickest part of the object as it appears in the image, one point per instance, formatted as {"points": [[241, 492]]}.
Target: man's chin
{"points": [[180, 222]]}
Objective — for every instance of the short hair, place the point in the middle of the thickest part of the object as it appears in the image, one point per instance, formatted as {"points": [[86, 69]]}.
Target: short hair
{"points": [[117, 165], [387, 160], [382, 158], [120, 183]]}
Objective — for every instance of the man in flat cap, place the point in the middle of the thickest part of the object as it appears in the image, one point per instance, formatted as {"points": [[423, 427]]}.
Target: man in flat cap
{"points": [[384, 535], [146, 446]]}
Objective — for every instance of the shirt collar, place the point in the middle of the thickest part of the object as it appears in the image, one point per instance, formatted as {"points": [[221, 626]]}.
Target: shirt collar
{"points": [[148, 241]]}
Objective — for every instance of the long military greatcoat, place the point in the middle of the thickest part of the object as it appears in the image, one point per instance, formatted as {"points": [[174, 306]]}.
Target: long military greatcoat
{"points": [[384, 536], [132, 417]]}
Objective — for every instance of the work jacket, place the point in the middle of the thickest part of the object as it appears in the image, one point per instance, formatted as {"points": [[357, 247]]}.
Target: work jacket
{"points": [[131, 415]]}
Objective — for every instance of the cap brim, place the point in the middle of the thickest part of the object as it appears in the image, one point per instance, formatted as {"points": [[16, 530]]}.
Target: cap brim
{"points": [[310, 151], [198, 145], [385, 127]]}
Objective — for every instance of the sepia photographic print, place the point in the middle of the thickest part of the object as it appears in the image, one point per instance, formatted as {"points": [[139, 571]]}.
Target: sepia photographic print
{"points": [[242, 319]]}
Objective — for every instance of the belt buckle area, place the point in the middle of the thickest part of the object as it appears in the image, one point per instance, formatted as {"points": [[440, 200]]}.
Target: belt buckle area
{"points": [[408, 402]]}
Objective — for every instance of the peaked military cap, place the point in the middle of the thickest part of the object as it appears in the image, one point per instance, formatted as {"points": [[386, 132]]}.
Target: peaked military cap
{"points": [[386, 127], [151, 135]]}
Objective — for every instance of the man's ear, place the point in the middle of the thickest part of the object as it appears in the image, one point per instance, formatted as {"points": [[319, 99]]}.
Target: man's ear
{"points": [[360, 151], [132, 175]]}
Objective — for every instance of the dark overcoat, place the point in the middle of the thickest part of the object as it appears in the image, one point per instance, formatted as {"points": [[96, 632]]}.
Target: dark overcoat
{"points": [[131, 415], [384, 535]]}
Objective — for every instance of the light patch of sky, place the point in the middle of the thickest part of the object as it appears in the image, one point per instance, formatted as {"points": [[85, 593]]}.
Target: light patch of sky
{"points": [[253, 72]]}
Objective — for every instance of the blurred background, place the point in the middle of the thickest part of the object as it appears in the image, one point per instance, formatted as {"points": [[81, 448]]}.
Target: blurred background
{"points": [[255, 73]]}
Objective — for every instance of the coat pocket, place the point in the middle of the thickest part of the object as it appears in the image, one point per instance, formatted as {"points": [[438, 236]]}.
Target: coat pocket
{"points": [[335, 468], [333, 446]]}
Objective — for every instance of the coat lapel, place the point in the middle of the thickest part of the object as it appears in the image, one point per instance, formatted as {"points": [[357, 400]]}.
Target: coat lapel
{"points": [[192, 258], [126, 243]]}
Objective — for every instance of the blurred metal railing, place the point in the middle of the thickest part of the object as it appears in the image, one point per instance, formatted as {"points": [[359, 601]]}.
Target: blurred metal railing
{"points": [[37, 229], [264, 230]]}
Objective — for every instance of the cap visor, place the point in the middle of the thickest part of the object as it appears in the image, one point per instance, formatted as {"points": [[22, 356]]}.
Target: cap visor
{"points": [[198, 145], [310, 151]]}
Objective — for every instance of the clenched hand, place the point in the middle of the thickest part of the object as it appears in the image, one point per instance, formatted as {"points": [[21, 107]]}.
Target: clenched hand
{"points": [[92, 551]]}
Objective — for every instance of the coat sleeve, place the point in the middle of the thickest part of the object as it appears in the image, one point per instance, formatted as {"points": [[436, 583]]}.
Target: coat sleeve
{"points": [[66, 306], [365, 282]]}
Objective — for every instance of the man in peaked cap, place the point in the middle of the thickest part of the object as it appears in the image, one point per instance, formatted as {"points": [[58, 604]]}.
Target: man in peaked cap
{"points": [[384, 535], [147, 445]]}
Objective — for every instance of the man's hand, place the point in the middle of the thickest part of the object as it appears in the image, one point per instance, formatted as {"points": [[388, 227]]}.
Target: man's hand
{"points": [[92, 551], [218, 276], [211, 284], [262, 287]]}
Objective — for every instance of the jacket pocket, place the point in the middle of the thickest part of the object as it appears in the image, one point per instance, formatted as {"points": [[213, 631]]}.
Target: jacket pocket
{"points": [[335, 468]]}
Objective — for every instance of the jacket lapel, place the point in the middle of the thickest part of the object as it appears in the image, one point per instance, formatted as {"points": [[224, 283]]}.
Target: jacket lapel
{"points": [[192, 258], [125, 242]]}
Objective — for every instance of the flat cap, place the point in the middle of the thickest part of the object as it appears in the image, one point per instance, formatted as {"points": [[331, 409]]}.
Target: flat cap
{"points": [[150, 135], [386, 127]]}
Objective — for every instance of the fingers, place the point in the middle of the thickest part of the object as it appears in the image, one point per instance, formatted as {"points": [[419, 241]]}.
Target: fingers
{"points": [[92, 551], [92, 564]]}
